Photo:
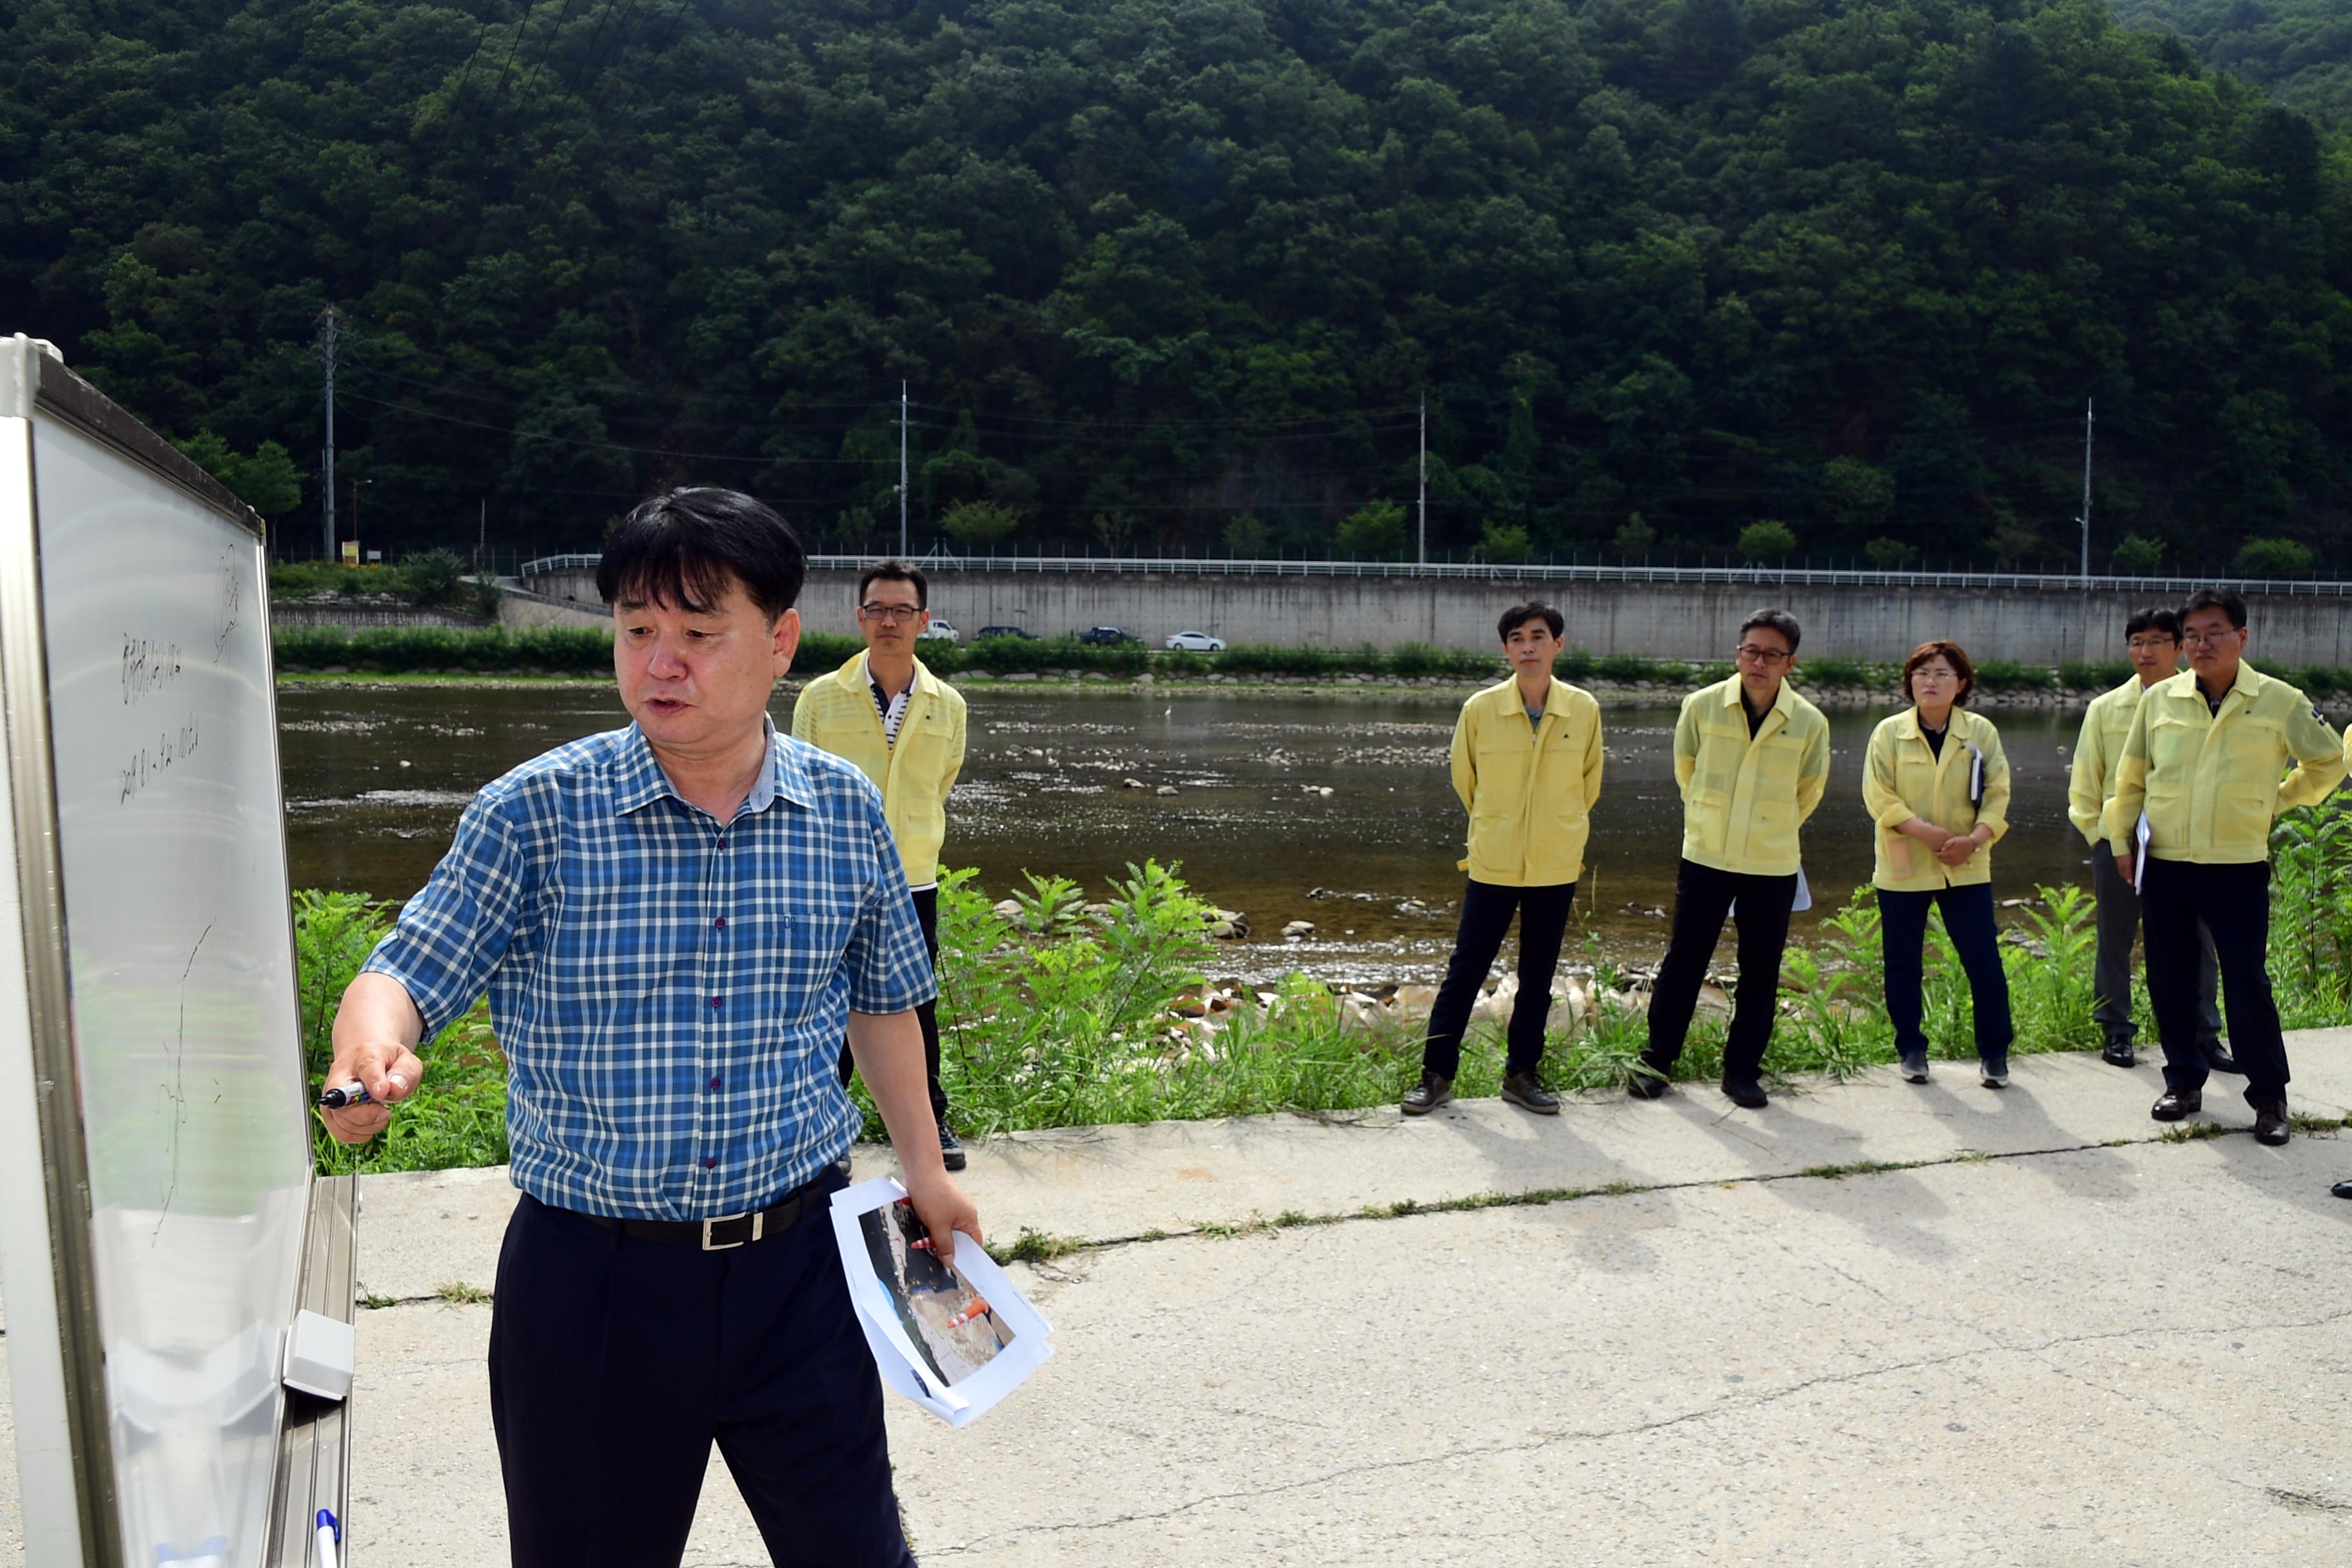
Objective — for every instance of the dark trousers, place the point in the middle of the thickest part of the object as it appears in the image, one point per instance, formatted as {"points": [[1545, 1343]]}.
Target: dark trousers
{"points": [[2111, 980], [926, 1014], [614, 1363], [1486, 911], [2234, 904], [1968, 921], [1704, 897]]}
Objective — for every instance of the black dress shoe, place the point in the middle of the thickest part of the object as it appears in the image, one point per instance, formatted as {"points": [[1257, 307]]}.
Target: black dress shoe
{"points": [[2218, 1057], [2119, 1054], [1427, 1095], [2270, 1125], [1526, 1091], [1646, 1083], [2175, 1103], [1749, 1096], [951, 1152], [2342, 1189]]}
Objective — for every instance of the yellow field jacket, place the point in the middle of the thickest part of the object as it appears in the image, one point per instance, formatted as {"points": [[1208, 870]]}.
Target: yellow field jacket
{"points": [[1903, 778], [2211, 783], [1529, 788], [836, 712], [2105, 725], [1744, 800]]}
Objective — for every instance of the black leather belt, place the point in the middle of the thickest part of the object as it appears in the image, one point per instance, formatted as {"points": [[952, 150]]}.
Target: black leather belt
{"points": [[732, 1230]]}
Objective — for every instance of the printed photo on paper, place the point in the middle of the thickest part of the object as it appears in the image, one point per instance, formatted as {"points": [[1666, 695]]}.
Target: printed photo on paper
{"points": [[951, 1324]]}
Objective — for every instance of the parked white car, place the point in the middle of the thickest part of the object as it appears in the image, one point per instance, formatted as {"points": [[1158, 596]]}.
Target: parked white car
{"points": [[938, 631], [1196, 642]]}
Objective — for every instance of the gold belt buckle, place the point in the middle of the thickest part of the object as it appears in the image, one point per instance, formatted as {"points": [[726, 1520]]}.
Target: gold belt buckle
{"points": [[759, 1223]]}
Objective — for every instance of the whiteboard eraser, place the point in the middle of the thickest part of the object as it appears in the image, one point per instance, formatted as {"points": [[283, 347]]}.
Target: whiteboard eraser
{"points": [[320, 1355]]}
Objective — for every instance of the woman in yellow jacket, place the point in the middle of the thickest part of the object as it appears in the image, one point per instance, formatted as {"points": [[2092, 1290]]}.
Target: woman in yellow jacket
{"points": [[1937, 783]]}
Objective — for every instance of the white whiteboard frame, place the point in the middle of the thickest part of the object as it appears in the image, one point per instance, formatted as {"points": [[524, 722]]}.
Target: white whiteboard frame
{"points": [[57, 1386]]}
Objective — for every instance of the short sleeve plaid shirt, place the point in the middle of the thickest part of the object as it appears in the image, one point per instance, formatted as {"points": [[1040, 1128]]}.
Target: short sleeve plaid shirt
{"points": [[670, 991]]}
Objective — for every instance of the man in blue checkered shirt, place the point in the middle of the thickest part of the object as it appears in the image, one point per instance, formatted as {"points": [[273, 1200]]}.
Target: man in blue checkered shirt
{"points": [[675, 924]]}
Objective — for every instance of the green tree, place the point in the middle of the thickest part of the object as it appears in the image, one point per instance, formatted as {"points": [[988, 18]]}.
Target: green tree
{"points": [[1373, 531], [2272, 558], [1890, 554], [1247, 537], [2137, 556], [1766, 542], [1501, 543], [977, 524], [265, 480]]}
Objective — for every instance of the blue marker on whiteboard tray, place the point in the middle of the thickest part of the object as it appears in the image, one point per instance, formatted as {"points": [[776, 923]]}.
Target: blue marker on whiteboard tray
{"points": [[352, 1093], [328, 1534]]}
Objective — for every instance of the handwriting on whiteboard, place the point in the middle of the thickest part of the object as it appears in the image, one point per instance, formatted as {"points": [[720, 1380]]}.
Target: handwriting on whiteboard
{"points": [[151, 762], [147, 667], [231, 604]]}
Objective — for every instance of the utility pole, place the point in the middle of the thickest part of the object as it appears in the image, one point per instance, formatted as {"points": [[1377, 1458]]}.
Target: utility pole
{"points": [[1424, 483], [481, 535], [326, 491], [2087, 492], [902, 470]]}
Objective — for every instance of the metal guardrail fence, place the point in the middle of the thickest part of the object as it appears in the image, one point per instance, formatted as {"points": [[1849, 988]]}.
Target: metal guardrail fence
{"points": [[1479, 571]]}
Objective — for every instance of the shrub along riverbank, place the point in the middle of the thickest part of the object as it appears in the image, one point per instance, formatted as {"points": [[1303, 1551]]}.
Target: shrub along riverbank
{"points": [[1054, 1013], [588, 650]]}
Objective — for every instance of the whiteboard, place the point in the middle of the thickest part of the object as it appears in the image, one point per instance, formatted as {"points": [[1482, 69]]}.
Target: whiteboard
{"points": [[158, 896]]}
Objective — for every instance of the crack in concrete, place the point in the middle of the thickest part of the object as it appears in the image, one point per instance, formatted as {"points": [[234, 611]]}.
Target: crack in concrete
{"points": [[1733, 1406]]}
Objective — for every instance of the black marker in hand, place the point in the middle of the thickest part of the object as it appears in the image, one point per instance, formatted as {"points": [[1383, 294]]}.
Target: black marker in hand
{"points": [[352, 1093]]}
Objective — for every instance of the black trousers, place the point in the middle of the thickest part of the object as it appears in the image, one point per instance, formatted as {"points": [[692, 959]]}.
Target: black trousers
{"points": [[614, 1364], [1969, 922], [1486, 911], [926, 1014], [1704, 897], [2234, 904]]}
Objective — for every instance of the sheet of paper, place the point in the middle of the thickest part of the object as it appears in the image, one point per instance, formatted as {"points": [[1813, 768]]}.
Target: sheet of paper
{"points": [[2139, 861], [954, 1338]]}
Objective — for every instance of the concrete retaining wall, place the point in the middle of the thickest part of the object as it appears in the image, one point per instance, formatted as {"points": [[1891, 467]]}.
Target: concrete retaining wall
{"points": [[1662, 620], [361, 617]]}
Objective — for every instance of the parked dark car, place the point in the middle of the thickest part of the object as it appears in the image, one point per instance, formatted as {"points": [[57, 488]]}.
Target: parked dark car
{"points": [[986, 632], [1105, 635]]}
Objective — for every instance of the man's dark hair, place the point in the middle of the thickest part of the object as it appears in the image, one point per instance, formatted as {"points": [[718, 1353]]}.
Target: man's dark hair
{"points": [[2153, 620], [896, 571], [2225, 600], [682, 547], [1519, 614], [1779, 621]]}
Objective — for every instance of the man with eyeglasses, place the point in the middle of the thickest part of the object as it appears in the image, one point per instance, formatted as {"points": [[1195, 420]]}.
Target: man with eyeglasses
{"points": [[1752, 759], [904, 728], [2152, 638], [2204, 762]]}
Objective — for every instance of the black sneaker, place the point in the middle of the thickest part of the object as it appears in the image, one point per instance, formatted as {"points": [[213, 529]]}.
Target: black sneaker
{"points": [[1749, 1096], [1427, 1095], [2119, 1054], [1526, 1091], [951, 1152]]}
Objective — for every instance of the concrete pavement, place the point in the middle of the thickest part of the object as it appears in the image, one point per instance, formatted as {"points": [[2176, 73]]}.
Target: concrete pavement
{"points": [[1994, 1328]]}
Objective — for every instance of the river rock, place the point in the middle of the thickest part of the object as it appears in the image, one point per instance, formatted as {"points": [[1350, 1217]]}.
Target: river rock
{"points": [[1229, 925], [1165, 789], [1413, 1001], [1298, 929], [1008, 909], [1714, 1000], [1131, 784], [1362, 1013]]}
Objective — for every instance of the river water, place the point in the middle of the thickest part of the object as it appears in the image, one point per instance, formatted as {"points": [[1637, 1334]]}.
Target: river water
{"points": [[1333, 809]]}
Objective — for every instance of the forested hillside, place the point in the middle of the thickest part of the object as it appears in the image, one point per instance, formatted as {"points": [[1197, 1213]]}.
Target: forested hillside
{"points": [[1168, 274], [2301, 50]]}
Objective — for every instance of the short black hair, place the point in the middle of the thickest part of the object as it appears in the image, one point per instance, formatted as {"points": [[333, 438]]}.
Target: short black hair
{"points": [[1779, 621], [1518, 616], [2153, 620], [683, 546], [2225, 600], [896, 571]]}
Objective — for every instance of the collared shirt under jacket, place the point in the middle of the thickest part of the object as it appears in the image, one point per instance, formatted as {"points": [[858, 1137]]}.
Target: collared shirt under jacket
{"points": [[1904, 777], [1529, 788], [670, 991], [2212, 782], [836, 712], [2106, 724], [1744, 798]]}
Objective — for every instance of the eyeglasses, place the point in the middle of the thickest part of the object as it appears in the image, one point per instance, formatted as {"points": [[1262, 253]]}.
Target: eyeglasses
{"points": [[1766, 656], [901, 613], [2150, 644], [2208, 639]]}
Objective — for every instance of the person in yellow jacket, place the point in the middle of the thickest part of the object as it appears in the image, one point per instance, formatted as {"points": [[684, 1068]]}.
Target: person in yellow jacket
{"points": [[1752, 759], [904, 728], [1937, 783], [2204, 762], [2152, 640], [1526, 763]]}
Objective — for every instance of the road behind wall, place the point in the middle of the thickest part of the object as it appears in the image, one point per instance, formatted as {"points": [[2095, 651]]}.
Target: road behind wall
{"points": [[1662, 620]]}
